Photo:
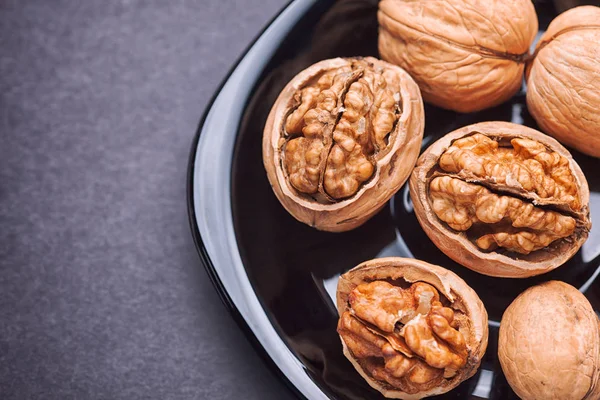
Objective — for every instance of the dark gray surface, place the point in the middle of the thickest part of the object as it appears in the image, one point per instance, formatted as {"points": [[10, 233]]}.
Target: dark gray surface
{"points": [[102, 295]]}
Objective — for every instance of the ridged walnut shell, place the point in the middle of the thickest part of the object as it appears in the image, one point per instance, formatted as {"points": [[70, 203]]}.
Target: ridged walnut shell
{"points": [[530, 203], [341, 139], [549, 344], [465, 56], [470, 316], [563, 80]]}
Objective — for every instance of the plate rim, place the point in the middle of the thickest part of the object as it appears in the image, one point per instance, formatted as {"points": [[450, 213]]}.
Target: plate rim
{"points": [[199, 243]]}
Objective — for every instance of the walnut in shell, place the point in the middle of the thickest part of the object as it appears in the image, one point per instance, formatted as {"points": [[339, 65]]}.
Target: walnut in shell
{"points": [[341, 139], [465, 55], [502, 199], [549, 344], [411, 329], [563, 80]]}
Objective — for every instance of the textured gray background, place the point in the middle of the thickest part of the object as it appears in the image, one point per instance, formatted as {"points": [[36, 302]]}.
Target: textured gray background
{"points": [[102, 295]]}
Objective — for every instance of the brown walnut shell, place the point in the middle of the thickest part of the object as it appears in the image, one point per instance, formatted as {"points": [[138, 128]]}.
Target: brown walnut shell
{"points": [[549, 344], [384, 330], [341, 139], [563, 80], [502, 199], [465, 56]]}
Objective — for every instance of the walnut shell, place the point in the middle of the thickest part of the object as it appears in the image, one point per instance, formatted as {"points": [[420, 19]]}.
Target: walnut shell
{"points": [[549, 344], [563, 80], [502, 199], [341, 139], [465, 56], [470, 318]]}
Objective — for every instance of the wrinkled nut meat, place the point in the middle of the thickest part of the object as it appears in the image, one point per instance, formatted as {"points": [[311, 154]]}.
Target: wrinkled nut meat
{"points": [[563, 80], [465, 55], [341, 139], [549, 344], [411, 329], [502, 199]]}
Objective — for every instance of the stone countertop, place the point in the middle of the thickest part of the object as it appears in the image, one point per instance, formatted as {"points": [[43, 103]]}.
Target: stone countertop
{"points": [[102, 294]]}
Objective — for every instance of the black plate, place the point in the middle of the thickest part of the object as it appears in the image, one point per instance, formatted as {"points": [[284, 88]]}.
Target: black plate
{"points": [[279, 276]]}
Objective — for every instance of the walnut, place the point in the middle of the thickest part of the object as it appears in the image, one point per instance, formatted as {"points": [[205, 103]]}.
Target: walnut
{"points": [[465, 56], [502, 199], [341, 139], [549, 344], [411, 329], [563, 80]]}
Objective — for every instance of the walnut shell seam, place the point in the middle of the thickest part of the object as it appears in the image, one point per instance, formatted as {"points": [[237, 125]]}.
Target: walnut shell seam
{"points": [[546, 42], [480, 50]]}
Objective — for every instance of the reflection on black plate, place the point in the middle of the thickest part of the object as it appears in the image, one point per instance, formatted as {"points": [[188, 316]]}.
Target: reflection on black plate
{"points": [[293, 268]]}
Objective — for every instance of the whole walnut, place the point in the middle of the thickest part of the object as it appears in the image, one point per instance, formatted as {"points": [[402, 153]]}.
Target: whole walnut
{"points": [[502, 199], [410, 329], [549, 344], [341, 139], [563, 80], [465, 55]]}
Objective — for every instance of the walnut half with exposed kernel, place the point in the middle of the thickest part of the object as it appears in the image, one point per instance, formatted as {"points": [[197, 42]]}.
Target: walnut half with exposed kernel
{"points": [[341, 139], [502, 199], [411, 329]]}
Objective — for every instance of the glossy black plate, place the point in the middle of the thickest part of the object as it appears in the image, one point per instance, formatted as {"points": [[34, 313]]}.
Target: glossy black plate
{"points": [[279, 276]]}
